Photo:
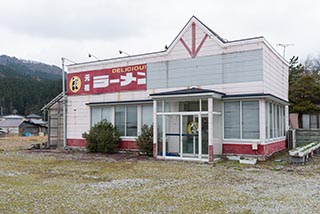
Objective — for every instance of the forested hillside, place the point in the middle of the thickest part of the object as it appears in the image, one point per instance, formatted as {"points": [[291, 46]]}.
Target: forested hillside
{"points": [[24, 90], [32, 68]]}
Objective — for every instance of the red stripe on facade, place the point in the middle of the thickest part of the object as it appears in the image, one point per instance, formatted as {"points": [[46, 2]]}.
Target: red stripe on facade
{"points": [[194, 49], [210, 150], [186, 46], [124, 144], [76, 142], [127, 145], [246, 149], [201, 43], [155, 150], [193, 40]]}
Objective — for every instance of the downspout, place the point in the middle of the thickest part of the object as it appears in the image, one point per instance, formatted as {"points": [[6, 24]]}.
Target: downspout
{"points": [[64, 106]]}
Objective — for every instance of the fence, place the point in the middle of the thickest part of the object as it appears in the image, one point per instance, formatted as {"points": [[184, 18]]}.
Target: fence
{"points": [[304, 136]]}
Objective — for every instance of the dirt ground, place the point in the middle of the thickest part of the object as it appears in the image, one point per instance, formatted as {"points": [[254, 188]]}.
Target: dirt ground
{"points": [[53, 181]]}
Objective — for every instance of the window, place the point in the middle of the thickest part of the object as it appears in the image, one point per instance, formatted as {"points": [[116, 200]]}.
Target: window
{"points": [[275, 120], [120, 119], [232, 119], [310, 121], [147, 115], [106, 113], [271, 120], [126, 120], [314, 121], [241, 120], [131, 121], [95, 115], [124, 117], [250, 120], [100, 113]]}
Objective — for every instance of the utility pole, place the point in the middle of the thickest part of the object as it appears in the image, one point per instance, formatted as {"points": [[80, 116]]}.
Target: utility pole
{"points": [[284, 46]]}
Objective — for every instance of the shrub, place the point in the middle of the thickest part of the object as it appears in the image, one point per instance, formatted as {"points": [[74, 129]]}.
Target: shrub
{"points": [[145, 139], [102, 137]]}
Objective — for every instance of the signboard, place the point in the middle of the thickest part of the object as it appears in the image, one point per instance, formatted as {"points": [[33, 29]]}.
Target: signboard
{"points": [[128, 78]]}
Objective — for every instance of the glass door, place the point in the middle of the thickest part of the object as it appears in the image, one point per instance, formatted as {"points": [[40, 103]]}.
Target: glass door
{"points": [[190, 136], [185, 135], [204, 136]]}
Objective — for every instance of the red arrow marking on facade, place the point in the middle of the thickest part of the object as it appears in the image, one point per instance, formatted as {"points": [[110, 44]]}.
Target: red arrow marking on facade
{"points": [[194, 51]]}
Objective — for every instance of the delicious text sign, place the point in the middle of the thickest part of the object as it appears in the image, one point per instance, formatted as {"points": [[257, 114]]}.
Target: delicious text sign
{"points": [[126, 78]]}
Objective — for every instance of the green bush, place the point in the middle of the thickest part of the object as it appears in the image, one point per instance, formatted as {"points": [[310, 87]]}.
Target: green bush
{"points": [[102, 137], [145, 139]]}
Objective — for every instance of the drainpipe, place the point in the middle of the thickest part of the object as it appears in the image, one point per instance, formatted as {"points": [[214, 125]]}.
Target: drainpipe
{"points": [[64, 106]]}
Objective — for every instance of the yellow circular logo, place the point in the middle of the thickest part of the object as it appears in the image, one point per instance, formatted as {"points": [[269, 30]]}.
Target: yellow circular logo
{"points": [[75, 84]]}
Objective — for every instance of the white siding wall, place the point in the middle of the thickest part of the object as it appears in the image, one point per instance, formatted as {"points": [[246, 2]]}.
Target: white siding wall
{"points": [[245, 66], [275, 73]]}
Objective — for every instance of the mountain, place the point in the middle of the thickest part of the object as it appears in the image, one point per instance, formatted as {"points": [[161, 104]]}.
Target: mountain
{"points": [[26, 86], [35, 69]]}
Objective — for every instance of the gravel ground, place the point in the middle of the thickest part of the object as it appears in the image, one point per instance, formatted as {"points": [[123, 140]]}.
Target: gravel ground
{"points": [[57, 182]]}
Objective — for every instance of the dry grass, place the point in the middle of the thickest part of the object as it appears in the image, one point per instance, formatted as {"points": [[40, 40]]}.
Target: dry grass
{"points": [[19, 142], [51, 182]]}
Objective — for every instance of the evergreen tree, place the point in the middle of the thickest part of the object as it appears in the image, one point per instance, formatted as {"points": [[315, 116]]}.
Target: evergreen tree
{"points": [[304, 88]]}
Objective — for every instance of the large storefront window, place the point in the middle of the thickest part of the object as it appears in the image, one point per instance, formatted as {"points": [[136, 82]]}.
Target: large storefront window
{"points": [[124, 117], [241, 120]]}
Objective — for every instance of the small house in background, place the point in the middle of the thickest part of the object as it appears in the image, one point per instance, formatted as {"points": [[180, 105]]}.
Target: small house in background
{"points": [[25, 126], [29, 128], [10, 124], [33, 116], [54, 112]]}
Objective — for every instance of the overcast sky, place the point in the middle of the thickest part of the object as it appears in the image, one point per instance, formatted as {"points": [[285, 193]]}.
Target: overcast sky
{"points": [[46, 30]]}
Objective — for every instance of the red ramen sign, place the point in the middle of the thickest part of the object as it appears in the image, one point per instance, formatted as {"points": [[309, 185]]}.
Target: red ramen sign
{"points": [[126, 78]]}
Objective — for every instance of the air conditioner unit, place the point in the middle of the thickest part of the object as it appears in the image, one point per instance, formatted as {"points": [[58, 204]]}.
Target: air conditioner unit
{"points": [[291, 138]]}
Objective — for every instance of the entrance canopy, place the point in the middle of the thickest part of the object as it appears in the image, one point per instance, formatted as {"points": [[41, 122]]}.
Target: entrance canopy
{"points": [[190, 92]]}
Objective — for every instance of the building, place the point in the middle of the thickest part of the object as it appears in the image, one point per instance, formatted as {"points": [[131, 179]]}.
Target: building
{"points": [[33, 128], [10, 124], [33, 117], [206, 95], [54, 110]]}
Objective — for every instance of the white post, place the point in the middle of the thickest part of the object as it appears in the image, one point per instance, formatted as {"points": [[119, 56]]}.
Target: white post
{"points": [[262, 119], [287, 118], [155, 129], [210, 129]]}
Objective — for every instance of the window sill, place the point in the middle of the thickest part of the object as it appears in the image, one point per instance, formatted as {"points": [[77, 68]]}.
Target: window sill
{"points": [[128, 138]]}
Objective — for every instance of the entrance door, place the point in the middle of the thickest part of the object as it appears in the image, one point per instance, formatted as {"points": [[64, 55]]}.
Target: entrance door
{"points": [[186, 136], [190, 136], [194, 136]]}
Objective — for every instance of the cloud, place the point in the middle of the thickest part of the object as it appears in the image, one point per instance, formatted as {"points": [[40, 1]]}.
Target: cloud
{"points": [[46, 30], [73, 19]]}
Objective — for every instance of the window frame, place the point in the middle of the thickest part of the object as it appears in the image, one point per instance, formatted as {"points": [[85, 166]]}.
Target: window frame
{"points": [[113, 116], [241, 120]]}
